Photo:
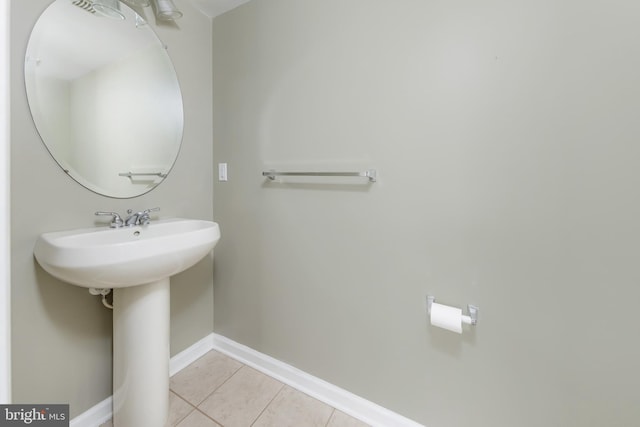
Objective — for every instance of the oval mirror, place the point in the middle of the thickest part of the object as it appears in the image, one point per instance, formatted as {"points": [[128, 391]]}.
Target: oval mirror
{"points": [[104, 97]]}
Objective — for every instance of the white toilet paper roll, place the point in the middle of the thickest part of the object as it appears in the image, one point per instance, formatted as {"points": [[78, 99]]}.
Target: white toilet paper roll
{"points": [[449, 318]]}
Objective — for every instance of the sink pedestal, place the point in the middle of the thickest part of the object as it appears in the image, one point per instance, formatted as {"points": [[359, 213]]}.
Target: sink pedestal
{"points": [[141, 355]]}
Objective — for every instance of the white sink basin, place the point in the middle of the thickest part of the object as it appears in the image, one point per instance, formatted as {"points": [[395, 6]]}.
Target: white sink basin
{"points": [[127, 256]]}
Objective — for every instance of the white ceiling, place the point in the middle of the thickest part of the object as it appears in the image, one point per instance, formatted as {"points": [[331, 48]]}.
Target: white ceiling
{"points": [[213, 8], [69, 54]]}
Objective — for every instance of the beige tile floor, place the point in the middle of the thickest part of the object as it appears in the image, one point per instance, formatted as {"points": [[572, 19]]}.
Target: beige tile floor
{"points": [[217, 390]]}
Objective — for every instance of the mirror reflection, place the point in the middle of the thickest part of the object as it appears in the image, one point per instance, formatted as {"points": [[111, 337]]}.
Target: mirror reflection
{"points": [[104, 96]]}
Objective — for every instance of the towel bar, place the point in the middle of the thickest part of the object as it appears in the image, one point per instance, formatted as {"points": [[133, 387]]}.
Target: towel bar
{"points": [[371, 174]]}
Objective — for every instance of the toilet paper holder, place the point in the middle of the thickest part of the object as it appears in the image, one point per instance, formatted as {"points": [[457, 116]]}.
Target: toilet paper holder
{"points": [[473, 311]]}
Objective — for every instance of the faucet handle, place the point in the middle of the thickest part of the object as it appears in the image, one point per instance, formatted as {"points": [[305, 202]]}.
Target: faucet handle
{"points": [[116, 221], [144, 219]]}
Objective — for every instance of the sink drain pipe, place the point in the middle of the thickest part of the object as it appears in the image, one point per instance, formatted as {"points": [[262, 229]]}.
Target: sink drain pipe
{"points": [[104, 293]]}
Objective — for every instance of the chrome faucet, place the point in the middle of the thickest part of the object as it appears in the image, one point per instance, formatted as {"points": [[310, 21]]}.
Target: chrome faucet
{"points": [[139, 218], [116, 221]]}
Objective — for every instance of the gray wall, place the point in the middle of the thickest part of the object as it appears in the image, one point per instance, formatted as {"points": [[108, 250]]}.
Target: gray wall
{"points": [[61, 344], [506, 139]]}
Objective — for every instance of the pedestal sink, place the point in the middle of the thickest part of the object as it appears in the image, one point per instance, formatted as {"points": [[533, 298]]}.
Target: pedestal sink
{"points": [[136, 262]]}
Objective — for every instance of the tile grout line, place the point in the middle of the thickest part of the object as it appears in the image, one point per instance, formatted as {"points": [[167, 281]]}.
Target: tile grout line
{"points": [[193, 408], [197, 407], [212, 419], [182, 398], [270, 402], [209, 395], [330, 416]]}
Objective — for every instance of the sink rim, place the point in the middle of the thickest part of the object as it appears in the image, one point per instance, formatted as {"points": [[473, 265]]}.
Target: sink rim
{"points": [[121, 259]]}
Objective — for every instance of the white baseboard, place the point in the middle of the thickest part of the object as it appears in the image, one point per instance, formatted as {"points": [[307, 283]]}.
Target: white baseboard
{"points": [[355, 406], [191, 354], [347, 402], [94, 416]]}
